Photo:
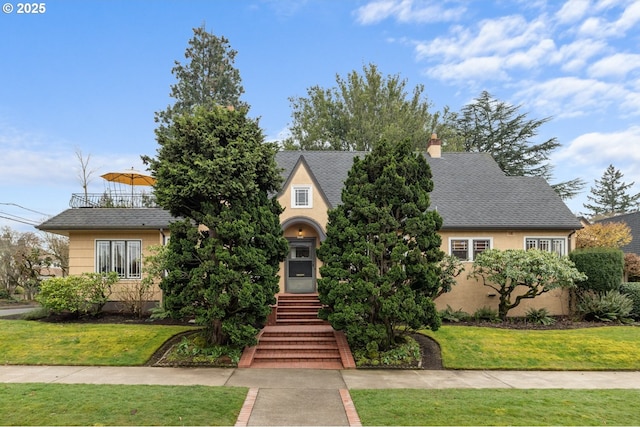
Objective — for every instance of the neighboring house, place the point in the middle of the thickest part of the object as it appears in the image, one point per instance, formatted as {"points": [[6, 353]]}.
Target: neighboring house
{"points": [[633, 222], [481, 209]]}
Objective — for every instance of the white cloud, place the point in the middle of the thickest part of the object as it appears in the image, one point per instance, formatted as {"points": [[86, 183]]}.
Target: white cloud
{"points": [[617, 65], [494, 36], [572, 11], [406, 11], [617, 148], [574, 56], [470, 71], [571, 96], [599, 27]]}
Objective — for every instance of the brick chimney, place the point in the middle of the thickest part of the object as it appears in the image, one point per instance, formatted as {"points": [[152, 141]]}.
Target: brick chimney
{"points": [[434, 147]]}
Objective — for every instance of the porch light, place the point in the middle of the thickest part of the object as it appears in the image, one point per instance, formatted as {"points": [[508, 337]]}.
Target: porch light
{"points": [[300, 235]]}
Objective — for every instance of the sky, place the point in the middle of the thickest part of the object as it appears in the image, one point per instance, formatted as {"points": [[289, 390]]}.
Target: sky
{"points": [[86, 77]]}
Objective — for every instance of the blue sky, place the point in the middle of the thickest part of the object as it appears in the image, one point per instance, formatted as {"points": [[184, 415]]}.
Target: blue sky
{"points": [[89, 75]]}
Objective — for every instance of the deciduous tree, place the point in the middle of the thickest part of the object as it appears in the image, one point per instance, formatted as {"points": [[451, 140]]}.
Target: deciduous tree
{"points": [[361, 110], [382, 250], [214, 170], [604, 235], [516, 274]]}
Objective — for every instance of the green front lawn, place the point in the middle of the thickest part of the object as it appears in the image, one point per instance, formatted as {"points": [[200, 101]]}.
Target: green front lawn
{"points": [[126, 405], [489, 407], [38, 343], [600, 348]]}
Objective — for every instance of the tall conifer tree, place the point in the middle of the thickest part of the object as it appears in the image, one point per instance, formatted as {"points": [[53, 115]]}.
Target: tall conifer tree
{"points": [[382, 250], [610, 195]]}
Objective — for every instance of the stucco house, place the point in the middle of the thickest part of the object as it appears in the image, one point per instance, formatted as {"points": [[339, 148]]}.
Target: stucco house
{"points": [[481, 208]]}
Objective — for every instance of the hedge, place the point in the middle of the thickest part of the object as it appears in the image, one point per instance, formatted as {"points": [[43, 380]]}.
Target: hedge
{"points": [[604, 268]]}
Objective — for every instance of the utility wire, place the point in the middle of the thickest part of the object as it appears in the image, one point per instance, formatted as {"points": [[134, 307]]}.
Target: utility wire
{"points": [[26, 209], [22, 220]]}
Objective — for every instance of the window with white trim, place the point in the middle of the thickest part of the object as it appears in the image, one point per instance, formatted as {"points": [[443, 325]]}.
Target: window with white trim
{"points": [[466, 249], [549, 244], [122, 256], [301, 196]]}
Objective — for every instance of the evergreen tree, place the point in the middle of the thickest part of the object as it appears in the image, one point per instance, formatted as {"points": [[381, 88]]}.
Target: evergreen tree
{"points": [[382, 250], [360, 110], [208, 78], [488, 125], [610, 196], [214, 170]]}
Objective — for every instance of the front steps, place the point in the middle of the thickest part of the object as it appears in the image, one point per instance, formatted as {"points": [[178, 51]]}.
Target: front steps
{"points": [[298, 339]]}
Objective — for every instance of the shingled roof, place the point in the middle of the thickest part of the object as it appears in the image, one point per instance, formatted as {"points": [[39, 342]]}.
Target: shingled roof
{"points": [[633, 222], [108, 219], [470, 190]]}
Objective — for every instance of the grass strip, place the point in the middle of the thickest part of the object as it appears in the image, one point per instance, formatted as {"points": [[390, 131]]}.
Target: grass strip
{"points": [[126, 405], [600, 348], [38, 343], [488, 407]]}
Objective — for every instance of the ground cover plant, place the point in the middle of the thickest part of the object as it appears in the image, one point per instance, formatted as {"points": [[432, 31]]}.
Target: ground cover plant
{"points": [[497, 407], [597, 348], [39, 343], [127, 405]]}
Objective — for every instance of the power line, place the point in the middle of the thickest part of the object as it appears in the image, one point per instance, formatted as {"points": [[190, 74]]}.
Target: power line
{"points": [[22, 220], [26, 209]]}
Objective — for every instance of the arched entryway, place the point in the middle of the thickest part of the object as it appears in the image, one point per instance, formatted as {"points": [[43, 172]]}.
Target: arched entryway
{"points": [[301, 266]]}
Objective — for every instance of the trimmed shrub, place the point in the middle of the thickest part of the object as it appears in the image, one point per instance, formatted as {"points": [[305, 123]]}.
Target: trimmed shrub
{"points": [[83, 294], [604, 268], [612, 306], [632, 290]]}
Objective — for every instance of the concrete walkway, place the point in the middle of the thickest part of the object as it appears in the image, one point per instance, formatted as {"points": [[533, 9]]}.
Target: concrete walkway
{"points": [[314, 397]]}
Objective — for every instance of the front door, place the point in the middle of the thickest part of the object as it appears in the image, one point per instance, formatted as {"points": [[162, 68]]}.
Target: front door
{"points": [[301, 266]]}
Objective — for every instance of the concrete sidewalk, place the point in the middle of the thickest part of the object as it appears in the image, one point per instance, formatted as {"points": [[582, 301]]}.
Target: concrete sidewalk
{"points": [[314, 397]]}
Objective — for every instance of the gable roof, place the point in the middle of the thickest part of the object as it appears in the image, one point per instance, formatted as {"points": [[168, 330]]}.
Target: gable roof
{"points": [[633, 221], [470, 190], [108, 219]]}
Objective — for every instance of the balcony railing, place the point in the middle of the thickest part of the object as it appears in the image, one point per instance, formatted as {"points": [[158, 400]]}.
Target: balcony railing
{"points": [[112, 200]]}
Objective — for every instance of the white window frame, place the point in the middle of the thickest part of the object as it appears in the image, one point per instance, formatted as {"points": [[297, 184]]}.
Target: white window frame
{"points": [[541, 241], [294, 200], [470, 245], [129, 251]]}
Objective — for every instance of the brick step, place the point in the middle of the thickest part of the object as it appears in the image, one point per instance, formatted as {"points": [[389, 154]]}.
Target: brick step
{"points": [[304, 348], [301, 314], [308, 303], [295, 356], [267, 339], [300, 322], [298, 309]]}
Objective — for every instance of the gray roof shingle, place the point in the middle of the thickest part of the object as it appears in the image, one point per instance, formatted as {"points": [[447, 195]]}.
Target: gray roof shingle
{"points": [[108, 219], [470, 192], [633, 221]]}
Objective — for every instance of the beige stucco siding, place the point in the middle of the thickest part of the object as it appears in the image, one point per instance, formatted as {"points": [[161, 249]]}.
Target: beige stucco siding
{"points": [[470, 295], [319, 210], [317, 213], [82, 249]]}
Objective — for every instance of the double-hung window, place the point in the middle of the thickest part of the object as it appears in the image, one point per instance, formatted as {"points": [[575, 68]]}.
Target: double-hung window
{"points": [[301, 196], [466, 249], [122, 256], [549, 244]]}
